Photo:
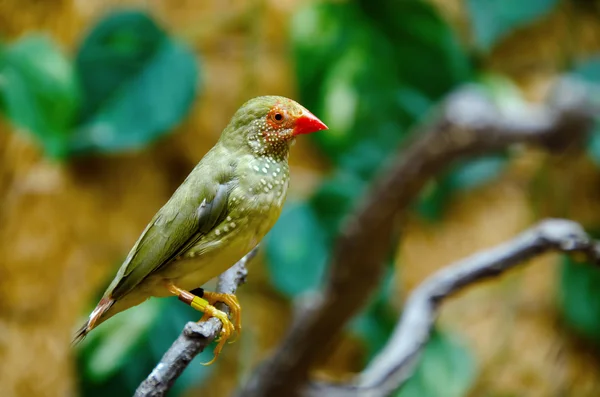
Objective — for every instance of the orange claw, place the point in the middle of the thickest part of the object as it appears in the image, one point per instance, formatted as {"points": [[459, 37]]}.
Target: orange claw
{"points": [[226, 330], [234, 307]]}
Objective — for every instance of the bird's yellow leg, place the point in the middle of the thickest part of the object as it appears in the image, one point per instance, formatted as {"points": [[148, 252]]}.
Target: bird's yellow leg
{"points": [[230, 300], [202, 305]]}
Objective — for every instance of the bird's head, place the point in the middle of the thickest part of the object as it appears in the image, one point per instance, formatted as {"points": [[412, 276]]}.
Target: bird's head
{"points": [[268, 125]]}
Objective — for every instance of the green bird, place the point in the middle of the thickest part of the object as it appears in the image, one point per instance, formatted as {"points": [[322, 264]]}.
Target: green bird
{"points": [[222, 210]]}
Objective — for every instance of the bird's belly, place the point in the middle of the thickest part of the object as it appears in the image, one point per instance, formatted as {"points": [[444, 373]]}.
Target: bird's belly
{"points": [[193, 272]]}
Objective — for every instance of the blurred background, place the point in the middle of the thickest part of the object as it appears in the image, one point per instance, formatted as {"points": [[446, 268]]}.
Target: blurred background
{"points": [[107, 105]]}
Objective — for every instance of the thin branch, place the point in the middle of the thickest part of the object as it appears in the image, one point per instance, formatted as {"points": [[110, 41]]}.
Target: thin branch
{"points": [[194, 338], [468, 124], [396, 362]]}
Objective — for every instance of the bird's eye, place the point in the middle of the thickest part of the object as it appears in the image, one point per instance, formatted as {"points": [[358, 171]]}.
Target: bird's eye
{"points": [[277, 117]]}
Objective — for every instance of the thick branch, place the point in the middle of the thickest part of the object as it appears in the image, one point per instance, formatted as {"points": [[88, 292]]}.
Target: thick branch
{"points": [[396, 362], [194, 338], [468, 124]]}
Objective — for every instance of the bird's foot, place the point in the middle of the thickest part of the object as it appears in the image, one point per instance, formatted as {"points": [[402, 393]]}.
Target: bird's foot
{"points": [[234, 308], [226, 331], [203, 305]]}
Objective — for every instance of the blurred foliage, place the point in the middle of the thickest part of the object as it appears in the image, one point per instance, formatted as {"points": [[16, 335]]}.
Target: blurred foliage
{"points": [[375, 324], [290, 257], [137, 82], [120, 353], [491, 20], [589, 70], [579, 298], [130, 84], [461, 177], [372, 70], [593, 145], [579, 288], [39, 91]]}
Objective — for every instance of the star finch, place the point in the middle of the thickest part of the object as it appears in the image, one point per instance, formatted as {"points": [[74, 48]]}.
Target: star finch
{"points": [[226, 205]]}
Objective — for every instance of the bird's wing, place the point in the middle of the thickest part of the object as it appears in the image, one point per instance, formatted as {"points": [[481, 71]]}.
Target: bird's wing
{"points": [[172, 231]]}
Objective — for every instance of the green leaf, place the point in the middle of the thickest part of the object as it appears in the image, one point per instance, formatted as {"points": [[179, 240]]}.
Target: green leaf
{"points": [[579, 298], [38, 91], [428, 56], [296, 250], [446, 369], [362, 107], [359, 101], [348, 76], [114, 341], [319, 34], [492, 20], [117, 49], [374, 75], [138, 84]]}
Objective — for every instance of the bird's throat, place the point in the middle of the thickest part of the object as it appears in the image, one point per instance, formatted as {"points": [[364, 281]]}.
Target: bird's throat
{"points": [[270, 144]]}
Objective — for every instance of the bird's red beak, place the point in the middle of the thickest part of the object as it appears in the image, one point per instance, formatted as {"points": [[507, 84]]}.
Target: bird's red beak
{"points": [[308, 123]]}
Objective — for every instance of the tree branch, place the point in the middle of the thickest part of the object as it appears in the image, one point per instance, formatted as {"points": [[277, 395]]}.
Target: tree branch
{"points": [[468, 124], [396, 362], [194, 338]]}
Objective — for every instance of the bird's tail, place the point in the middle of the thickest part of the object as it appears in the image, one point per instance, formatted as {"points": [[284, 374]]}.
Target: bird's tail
{"points": [[102, 307]]}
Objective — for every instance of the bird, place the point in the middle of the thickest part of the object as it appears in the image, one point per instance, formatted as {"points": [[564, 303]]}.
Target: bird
{"points": [[221, 211]]}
